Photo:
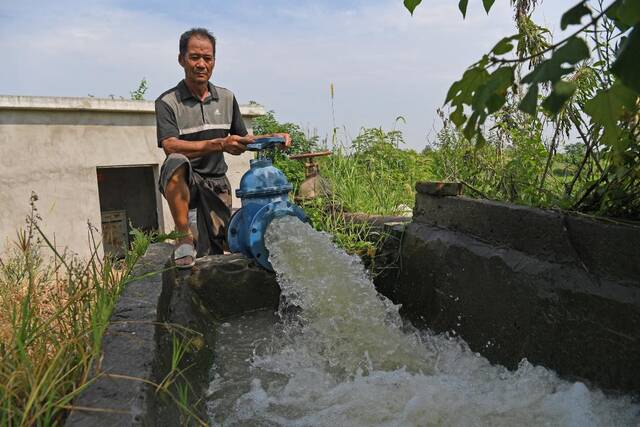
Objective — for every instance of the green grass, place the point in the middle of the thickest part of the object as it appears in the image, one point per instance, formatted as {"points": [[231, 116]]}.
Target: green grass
{"points": [[54, 310]]}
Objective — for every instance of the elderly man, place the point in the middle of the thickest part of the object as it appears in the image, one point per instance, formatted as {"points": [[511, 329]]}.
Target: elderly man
{"points": [[196, 123]]}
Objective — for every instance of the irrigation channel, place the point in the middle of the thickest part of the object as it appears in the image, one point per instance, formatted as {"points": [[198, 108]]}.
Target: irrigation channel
{"points": [[338, 354]]}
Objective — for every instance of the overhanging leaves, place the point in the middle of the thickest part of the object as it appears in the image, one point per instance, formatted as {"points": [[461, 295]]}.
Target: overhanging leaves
{"points": [[471, 128], [457, 116], [411, 5], [487, 4], [573, 51], [562, 91], [462, 5], [628, 12], [552, 70], [462, 91], [484, 92], [608, 107], [504, 46], [530, 101], [574, 15], [627, 65], [491, 95], [482, 89], [614, 15]]}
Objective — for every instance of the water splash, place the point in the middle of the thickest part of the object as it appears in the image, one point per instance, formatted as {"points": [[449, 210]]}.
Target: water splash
{"points": [[344, 321], [342, 356]]}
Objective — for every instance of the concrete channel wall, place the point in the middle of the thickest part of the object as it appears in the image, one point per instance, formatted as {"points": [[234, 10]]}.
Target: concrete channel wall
{"points": [[136, 381], [515, 282]]}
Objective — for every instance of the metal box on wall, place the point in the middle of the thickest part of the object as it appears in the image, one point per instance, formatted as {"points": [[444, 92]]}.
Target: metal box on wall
{"points": [[115, 233]]}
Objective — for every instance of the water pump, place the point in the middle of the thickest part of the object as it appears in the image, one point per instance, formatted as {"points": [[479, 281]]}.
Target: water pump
{"points": [[264, 194]]}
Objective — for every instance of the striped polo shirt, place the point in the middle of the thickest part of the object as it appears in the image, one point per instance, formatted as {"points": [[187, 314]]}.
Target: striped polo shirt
{"points": [[180, 114]]}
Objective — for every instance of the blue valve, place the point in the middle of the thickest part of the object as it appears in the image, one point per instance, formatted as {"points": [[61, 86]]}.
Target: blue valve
{"points": [[264, 193], [265, 143]]}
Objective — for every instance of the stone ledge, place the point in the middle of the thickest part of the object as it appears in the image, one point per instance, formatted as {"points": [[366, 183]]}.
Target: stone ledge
{"points": [[439, 188], [604, 249], [232, 284]]}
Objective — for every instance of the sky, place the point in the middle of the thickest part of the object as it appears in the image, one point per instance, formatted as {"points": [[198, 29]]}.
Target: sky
{"points": [[284, 54]]}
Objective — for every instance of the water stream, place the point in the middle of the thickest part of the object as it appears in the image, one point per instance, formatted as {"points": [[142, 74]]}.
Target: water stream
{"points": [[339, 354]]}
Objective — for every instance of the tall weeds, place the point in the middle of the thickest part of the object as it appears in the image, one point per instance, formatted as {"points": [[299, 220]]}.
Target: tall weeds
{"points": [[371, 174], [54, 308], [374, 174]]}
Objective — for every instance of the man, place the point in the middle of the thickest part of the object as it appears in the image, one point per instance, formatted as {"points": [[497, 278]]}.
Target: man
{"points": [[196, 123]]}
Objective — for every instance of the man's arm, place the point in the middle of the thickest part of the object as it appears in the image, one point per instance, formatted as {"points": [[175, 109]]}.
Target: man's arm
{"points": [[232, 144], [238, 127], [168, 135]]}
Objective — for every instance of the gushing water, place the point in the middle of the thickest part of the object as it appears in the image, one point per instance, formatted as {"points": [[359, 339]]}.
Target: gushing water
{"points": [[338, 354]]}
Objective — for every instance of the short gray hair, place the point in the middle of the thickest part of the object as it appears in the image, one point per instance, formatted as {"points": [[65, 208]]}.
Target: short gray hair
{"points": [[196, 32]]}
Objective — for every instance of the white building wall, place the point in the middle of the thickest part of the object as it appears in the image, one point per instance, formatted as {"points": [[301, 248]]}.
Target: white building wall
{"points": [[52, 146]]}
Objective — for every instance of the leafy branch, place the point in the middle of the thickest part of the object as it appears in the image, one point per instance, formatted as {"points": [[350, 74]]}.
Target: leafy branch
{"points": [[568, 18], [589, 80], [483, 88]]}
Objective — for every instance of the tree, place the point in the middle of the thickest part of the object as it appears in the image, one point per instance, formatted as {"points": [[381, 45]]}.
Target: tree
{"points": [[605, 114]]}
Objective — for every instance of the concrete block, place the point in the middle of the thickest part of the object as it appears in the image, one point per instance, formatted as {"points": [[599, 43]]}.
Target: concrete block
{"points": [[439, 188], [533, 231], [232, 284], [606, 248]]}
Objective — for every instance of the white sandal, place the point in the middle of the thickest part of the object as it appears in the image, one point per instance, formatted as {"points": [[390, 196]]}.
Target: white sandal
{"points": [[185, 250]]}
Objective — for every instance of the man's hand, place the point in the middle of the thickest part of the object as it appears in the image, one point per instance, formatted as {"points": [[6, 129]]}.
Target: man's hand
{"points": [[234, 144], [287, 138]]}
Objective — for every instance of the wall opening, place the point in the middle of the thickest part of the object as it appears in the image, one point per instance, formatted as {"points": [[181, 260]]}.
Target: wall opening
{"points": [[127, 199]]}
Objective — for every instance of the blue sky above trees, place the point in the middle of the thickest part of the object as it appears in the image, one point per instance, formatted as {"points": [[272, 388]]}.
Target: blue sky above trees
{"points": [[283, 54]]}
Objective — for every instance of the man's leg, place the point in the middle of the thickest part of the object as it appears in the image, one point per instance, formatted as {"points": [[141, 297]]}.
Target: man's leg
{"points": [[176, 192], [214, 212], [221, 212]]}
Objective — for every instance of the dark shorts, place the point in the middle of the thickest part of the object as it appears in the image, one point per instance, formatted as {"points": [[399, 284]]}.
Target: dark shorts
{"points": [[211, 196]]}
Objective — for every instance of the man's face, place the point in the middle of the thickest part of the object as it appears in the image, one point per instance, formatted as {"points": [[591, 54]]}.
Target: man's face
{"points": [[199, 60]]}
